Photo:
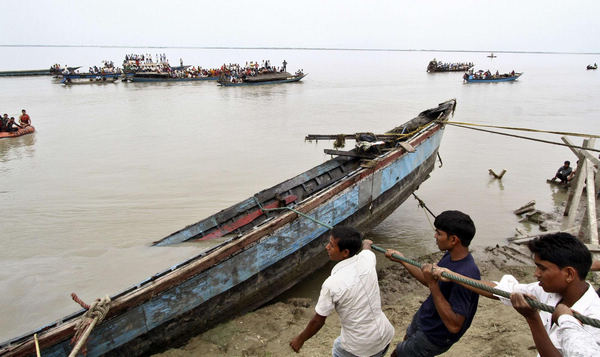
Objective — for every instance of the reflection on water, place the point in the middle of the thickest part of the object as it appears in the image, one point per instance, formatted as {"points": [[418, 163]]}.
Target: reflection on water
{"points": [[17, 148]]}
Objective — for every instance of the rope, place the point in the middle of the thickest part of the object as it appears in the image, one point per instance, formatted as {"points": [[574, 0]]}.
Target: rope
{"points": [[93, 316], [476, 284], [527, 138], [527, 129]]}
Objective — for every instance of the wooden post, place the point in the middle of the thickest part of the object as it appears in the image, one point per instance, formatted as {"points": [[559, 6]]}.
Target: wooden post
{"points": [[580, 175], [589, 225]]}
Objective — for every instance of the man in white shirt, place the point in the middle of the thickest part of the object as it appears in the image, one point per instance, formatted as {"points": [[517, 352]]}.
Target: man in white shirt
{"points": [[562, 263], [573, 338], [352, 291]]}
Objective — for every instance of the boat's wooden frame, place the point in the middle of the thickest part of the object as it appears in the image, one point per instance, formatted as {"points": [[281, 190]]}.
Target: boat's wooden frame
{"points": [[263, 254]]}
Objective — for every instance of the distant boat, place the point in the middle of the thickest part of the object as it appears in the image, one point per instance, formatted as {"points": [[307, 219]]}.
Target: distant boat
{"points": [[589, 66], [164, 77], [492, 55], [264, 78], [435, 66], [91, 78], [487, 77]]}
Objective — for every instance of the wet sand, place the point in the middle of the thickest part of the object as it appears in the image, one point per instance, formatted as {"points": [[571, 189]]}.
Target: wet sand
{"points": [[497, 330]]}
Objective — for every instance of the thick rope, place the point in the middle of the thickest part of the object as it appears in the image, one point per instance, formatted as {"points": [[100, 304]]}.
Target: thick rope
{"points": [[533, 303], [93, 316], [527, 129], [526, 138]]}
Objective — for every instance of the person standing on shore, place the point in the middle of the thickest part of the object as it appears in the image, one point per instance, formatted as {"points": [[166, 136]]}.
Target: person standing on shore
{"points": [[562, 263], [352, 291], [449, 310]]}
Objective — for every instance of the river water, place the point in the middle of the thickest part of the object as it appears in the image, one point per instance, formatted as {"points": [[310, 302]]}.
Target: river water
{"points": [[114, 167]]}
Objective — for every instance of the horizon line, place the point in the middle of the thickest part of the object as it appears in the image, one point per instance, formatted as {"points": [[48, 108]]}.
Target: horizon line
{"points": [[306, 49]]}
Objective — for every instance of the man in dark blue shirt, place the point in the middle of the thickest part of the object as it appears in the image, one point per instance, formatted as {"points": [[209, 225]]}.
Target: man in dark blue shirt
{"points": [[449, 310]]}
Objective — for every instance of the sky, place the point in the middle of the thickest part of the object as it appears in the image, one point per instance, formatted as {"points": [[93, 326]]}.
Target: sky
{"points": [[501, 25]]}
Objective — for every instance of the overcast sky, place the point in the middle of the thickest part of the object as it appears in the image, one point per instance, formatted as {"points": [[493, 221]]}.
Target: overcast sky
{"points": [[501, 25]]}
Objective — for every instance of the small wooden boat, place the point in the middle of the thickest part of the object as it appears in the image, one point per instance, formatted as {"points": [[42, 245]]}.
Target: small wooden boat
{"points": [[23, 131], [507, 77], [262, 253], [259, 79], [492, 55], [589, 66], [90, 78], [436, 66]]}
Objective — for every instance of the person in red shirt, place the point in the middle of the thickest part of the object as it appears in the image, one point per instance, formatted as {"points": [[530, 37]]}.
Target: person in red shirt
{"points": [[24, 119]]}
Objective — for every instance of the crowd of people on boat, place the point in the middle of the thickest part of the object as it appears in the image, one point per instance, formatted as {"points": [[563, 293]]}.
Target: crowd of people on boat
{"points": [[487, 75], [434, 65], [236, 73], [108, 67], [7, 124]]}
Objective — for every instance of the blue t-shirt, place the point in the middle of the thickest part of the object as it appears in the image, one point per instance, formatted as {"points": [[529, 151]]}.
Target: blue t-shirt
{"points": [[462, 301]]}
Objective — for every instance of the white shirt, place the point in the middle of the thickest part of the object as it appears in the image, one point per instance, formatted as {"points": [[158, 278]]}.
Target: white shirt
{"points": [[353, 291], [588, 305], [574, 339]]}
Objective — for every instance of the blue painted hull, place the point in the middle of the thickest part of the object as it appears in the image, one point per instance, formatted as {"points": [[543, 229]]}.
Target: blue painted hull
{"points": [[229, 84], [247, 271], [505, 79]]}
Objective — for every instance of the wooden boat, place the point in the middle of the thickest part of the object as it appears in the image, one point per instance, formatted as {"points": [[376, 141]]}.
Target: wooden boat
{"points": [[507, 77], [589, 66], [492, 55], [24, 131], [261, 254], [91, 78], [268, 78], [435, 66], [164, 77]]}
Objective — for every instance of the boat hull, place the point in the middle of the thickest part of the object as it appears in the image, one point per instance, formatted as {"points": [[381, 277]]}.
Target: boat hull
{"points": [[192, 79], [288, 80], [27, 130], [505, 79], [247, 271], [24, 73], [90, 78]]}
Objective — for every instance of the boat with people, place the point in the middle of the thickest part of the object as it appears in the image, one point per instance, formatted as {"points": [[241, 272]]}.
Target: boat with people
{"points": [[260, 78], [107, 73], [141, 68], [13, 134], [487, 77], [589, 66], [439, 66], [267, 243]]}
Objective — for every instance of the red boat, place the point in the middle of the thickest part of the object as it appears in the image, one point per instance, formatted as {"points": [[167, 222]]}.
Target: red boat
{"points": [[24, 131]]}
